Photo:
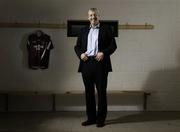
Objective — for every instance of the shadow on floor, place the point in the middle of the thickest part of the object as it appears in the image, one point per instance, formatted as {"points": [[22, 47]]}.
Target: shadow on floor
{"points": [[145, 117]]}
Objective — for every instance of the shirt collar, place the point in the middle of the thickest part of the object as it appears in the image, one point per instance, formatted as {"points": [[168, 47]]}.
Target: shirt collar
{"points": [[95, 27]]}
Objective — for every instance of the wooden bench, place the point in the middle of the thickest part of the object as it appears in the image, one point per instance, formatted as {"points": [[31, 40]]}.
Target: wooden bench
{"points": [[144, 93]]}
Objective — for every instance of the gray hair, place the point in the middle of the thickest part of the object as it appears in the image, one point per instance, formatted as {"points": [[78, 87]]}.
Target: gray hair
{"points": [[94, 10]]}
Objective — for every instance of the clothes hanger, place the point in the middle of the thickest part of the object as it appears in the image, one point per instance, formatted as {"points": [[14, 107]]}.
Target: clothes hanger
{"points": [[39, 33]]}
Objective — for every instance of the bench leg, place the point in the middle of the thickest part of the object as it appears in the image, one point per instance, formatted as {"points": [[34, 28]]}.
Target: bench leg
{"points": [[53, 102], [6, 101], [145, 100]]}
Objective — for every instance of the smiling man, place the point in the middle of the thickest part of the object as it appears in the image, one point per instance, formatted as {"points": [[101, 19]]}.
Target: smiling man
{"points": [[94, 46]]}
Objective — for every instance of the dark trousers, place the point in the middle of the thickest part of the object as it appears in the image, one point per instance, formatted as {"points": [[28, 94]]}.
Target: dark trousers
{"points": [[94, 75]]}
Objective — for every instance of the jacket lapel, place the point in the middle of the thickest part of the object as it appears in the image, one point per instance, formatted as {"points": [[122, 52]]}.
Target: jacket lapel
{"points": [[100, 37], [86, 37]]}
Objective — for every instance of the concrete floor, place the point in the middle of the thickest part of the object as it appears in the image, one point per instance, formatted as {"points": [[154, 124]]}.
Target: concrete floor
{"points": [[71, 122]]}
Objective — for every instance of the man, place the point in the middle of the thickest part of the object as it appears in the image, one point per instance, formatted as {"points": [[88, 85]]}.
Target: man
{"points": [[94, 46]]}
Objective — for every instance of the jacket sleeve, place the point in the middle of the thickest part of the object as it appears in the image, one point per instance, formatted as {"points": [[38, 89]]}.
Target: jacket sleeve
{"points": [[78, 46], [112, 43]]}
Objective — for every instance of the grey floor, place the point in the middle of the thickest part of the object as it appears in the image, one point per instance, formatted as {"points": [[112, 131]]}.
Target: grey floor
{"points": [[71, 122]]}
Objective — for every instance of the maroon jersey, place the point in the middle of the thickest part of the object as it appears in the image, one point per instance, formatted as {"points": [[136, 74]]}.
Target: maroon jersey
{"points": [[39, 46]]}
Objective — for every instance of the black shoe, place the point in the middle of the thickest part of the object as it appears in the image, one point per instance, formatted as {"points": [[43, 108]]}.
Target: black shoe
{"points": [[100, 124], [88, 122]]}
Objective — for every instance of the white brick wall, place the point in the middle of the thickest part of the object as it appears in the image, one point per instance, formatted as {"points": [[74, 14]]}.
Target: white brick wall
{"points": [[145, 59]]}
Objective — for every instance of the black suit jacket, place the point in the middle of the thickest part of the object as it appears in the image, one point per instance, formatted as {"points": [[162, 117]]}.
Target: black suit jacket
{"points": [[106, 44]]}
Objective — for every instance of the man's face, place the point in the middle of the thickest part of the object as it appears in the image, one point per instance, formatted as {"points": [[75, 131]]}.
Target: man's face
{"points": [[93, 17]]}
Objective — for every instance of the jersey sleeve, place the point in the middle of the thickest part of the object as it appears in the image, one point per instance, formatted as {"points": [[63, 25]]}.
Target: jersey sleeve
{"points": [[50, 44], [28, 43]]}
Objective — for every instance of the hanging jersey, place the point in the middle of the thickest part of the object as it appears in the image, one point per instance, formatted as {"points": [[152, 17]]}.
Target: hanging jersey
{"points": [[39, 50]]}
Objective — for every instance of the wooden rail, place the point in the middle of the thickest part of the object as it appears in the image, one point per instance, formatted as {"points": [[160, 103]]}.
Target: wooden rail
{"points": [[54, 93], [64, 26]]}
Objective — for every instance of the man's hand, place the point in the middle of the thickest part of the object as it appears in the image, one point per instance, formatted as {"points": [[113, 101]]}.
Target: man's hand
{"points": [[99, 56], [84, 57]]}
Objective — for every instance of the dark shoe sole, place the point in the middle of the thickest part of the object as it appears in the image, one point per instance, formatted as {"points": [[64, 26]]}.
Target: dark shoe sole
{"points": [[100, 125], [88, 123]]}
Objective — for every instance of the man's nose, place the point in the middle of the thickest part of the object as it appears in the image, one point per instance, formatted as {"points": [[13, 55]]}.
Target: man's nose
{"points": [[93, 17]]}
